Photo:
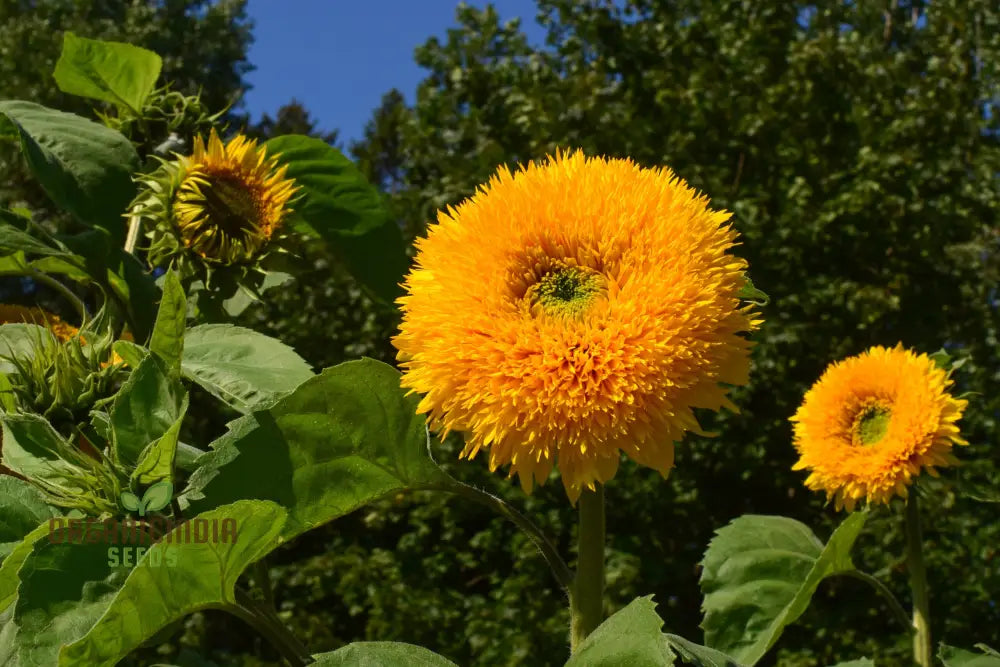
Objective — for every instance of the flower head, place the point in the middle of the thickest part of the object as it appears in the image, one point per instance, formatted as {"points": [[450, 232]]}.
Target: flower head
{"points": [[14, 314], [572, 311], [873, 422], [221, 206]]}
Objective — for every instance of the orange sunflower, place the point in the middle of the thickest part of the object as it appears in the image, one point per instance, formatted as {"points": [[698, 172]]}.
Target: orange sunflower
{"points": [[572, 311], [14, 314], [875, 421]]}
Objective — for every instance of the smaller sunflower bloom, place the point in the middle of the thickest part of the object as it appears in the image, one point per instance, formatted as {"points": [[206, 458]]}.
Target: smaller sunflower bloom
{"points": [[874, 422], [14, 314], [224, 204]]}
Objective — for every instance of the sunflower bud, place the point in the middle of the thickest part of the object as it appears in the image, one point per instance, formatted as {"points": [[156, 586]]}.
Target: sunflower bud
{"points": [[60, 374], [222, 206]]}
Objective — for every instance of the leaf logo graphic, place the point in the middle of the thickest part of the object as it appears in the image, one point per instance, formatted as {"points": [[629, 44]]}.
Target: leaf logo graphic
{"points": [[154, 499]]}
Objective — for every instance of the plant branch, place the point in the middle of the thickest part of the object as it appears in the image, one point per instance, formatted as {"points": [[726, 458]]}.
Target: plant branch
{"points": [[897, 609], [270, 626], [558, 566]]}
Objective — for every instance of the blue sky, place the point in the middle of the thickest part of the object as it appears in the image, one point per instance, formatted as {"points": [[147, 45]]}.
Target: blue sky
{"points": [[338, 57]]}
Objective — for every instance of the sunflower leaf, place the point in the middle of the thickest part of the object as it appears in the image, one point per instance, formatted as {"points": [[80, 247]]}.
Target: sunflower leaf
{"points": [[956, 657], [84, 167], [631, 636], [242, 368], [340, 206], [758, 576], [22, 508], [147, 410], [168, 332], [175, 578], [342, 439], [381, 654], [114, 72]]}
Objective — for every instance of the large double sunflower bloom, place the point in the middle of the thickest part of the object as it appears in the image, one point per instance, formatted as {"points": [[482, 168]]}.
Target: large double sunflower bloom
{"points": [[574, 310]]}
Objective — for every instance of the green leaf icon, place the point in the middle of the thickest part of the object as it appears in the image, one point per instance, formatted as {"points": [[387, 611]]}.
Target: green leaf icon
{"points": [[156, 497], [130, 501]]}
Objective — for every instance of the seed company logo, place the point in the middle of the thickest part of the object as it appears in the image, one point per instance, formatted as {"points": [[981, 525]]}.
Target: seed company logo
{"points": [[129, 539]]}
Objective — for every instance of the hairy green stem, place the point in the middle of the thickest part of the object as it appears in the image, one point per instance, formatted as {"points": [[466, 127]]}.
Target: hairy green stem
{"points": [[270, 626], [894, 605], [558, 566], [922, 649], [262, 578], [586, 598], [62, 289]]}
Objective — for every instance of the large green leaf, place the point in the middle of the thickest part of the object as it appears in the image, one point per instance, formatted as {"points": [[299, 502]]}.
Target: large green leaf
{"points": [[339, 205], [759, 574], [377, 260], [168, 332], [632, 636], [244, 369], [84, 167], [22, 508], [956, 657], [31, 448], [146, 408], [860, 662], [175, 579], [9, 579], [335, 196], [65, 587], [381, 654], [111, 71], [341, 440]]}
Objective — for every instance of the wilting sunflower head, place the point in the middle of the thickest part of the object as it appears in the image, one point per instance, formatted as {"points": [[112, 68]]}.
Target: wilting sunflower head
{"points": [[574, 310], [873, 422], [223, 205]]}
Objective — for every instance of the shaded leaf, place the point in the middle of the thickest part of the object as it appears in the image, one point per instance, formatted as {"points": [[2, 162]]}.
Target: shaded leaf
{"points": [[84, 167], [22, 508], [760, 572]]}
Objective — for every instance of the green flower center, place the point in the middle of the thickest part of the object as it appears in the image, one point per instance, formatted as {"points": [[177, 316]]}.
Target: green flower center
{"points": [[566, 291], [871, 424]]}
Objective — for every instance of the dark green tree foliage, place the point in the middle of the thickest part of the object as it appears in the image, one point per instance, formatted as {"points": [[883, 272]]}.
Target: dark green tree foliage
{"points": [[858, 149], [292, 118]]}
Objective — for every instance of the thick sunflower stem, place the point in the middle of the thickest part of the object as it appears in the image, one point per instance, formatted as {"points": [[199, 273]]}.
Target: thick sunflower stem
{"points": [[586, 600], [922, 649]]}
